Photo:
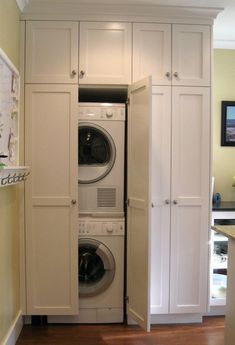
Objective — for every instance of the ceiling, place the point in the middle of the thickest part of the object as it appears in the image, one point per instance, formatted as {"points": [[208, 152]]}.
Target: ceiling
{"points": [[224, 27]]}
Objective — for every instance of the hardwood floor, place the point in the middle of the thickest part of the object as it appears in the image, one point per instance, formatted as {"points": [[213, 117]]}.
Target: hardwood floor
{"points": [[210, 332]]}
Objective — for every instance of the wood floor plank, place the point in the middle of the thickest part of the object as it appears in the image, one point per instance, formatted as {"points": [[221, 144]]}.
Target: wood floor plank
{"points": [[210, 332]]}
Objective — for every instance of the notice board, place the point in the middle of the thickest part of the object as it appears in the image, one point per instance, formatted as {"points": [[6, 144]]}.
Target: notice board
{"points": [[9, 111]]}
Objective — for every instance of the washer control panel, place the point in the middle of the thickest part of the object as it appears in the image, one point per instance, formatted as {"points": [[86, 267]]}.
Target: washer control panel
{"points": [[102, 111], [103, 227]]}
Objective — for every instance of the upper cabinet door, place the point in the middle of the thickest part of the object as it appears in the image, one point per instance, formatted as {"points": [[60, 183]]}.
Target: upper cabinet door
{"points": [[138, 214], [105, 53], [51, 52], [152, 52], [191, 55]]}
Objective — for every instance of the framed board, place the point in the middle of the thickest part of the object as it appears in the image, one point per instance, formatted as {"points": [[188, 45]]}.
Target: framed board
{"points": [[9, 112]]}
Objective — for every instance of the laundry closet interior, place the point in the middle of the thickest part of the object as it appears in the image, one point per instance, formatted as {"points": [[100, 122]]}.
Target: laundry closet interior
{"points": [[116, 102]]}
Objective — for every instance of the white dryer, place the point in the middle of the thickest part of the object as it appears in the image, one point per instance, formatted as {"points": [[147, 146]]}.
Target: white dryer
{"points": [[101, 138]]}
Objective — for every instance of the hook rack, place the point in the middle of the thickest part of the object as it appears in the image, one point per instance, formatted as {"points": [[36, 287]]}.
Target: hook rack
{"points": [[13, 175]]}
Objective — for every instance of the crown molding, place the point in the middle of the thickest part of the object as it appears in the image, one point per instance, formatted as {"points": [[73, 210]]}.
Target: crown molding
{"points": [[74, 10], [21, 4]]}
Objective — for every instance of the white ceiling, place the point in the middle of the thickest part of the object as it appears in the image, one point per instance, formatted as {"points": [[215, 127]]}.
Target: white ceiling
{"points": [[224, 27]]}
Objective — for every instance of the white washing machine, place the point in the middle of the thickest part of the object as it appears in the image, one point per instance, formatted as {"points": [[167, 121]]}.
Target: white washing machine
{"points": [[101, 137], [101, 272]]}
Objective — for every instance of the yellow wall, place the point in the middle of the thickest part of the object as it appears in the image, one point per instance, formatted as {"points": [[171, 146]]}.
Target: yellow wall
{"points": [[9, 196], [224, 89]]}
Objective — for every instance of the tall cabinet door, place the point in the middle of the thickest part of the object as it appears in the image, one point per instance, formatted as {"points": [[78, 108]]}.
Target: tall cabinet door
{"points": [[51, 195], [51, 52], [152, 52], [190, 199], [138, 213], [105, 53], [161, 195], [191, 55]]}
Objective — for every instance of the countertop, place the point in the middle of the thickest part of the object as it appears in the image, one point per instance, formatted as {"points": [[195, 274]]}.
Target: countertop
{"points": [[226, 230]]}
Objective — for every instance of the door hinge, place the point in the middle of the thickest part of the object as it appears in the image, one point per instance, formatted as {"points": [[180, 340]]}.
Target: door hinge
{"points": [[128, 202], [127, 299], [128, 101]]}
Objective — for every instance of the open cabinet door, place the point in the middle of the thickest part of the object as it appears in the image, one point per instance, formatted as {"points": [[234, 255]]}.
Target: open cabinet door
{"points": [[138, 212]]}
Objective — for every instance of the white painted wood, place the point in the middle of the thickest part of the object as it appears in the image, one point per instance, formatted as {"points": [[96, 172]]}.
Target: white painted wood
{"points": [[64, 10], [161, 195], [230, 310], [152, 52], [191, 55], [218, 215], [190, 190], [14, 330], [138, 214], [51, 219], [105, 53], [51, 52]]}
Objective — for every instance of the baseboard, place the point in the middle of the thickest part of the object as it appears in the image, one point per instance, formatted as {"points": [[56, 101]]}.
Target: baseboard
{"points": [[176, 318], [14, 331]]}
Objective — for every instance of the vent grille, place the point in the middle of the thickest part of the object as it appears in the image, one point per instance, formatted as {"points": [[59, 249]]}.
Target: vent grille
{"points": [[106, 197]]}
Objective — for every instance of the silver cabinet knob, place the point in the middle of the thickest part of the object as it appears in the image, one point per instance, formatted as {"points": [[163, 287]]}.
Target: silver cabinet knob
{"points": [[73, 73], [175, 202], [167, 201], [168, 75], [74, 202], [81, 74], [176, 74]]}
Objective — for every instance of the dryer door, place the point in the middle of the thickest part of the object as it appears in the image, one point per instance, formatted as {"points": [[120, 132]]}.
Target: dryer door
{"points": [[96, 154], [96, 267]]}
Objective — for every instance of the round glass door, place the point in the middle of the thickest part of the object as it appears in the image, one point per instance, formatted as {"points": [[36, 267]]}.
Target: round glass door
{"points": [[96, 153], [96, 267]]}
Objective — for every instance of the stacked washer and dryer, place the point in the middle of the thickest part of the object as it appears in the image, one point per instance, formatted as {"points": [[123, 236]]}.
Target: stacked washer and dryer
{"points": [[101, 137]]}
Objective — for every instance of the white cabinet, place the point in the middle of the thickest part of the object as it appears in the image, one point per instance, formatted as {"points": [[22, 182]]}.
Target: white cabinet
{"points": [[152, 52], [51, 194], [105, 53], [51, 52], [173, 54], [180, 217]]}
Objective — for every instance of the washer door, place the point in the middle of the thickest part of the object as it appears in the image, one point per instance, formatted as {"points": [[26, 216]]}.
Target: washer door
{"points": [[96, 267], [96, 152]]}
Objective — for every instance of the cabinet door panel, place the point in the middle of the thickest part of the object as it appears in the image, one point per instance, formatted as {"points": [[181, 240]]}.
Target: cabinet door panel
{"points": [[161, 194], [152, 52], [51, 52], [138, 212], [190, 196], [51, 219], [191, 55], [105, 53]]}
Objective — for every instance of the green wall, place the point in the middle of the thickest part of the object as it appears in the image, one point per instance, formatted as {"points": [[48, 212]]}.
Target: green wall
{"points": [[9, 196], [223, 156]]}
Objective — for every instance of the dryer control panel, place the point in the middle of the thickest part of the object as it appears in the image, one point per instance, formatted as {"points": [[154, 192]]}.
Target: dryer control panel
{"points": [[102, 227]]}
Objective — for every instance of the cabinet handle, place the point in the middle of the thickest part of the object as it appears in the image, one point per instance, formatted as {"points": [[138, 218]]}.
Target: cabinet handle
{"points": [[81, 74], [176, 74], [74, 202], [73, 73], [168, 75], [175, 202], [167, 201]]}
